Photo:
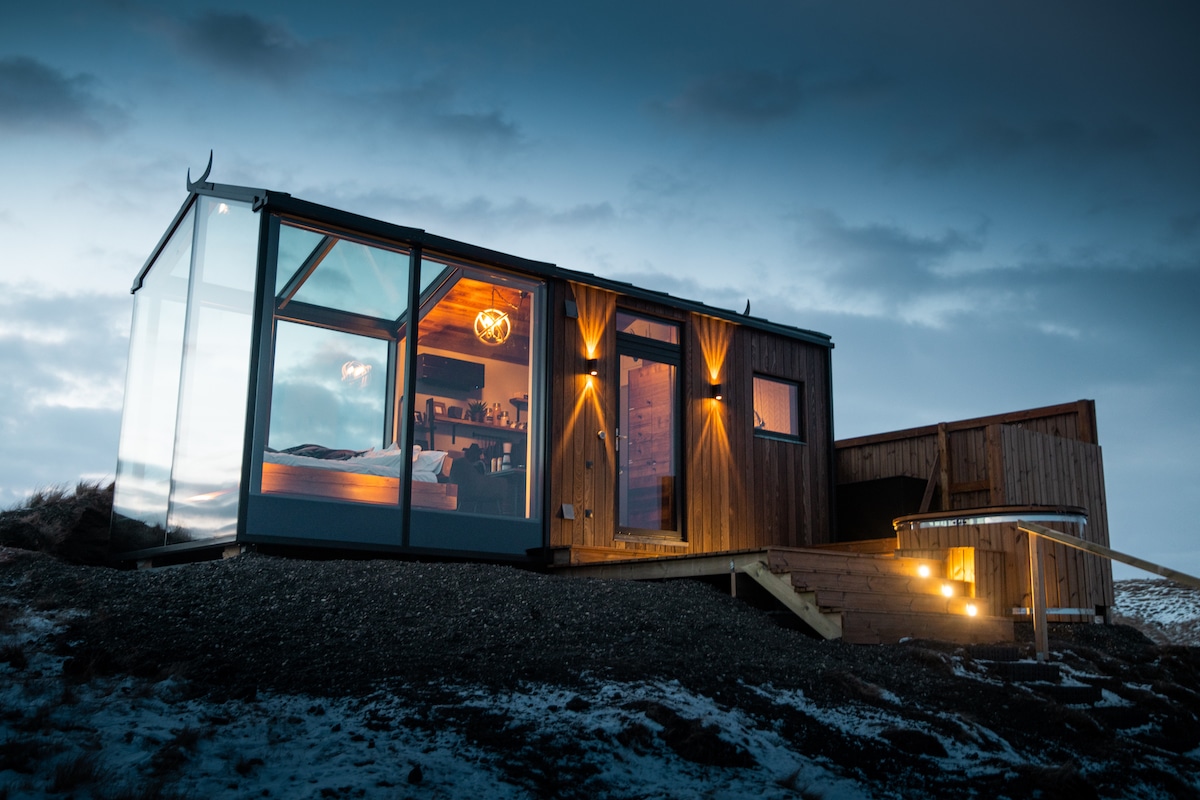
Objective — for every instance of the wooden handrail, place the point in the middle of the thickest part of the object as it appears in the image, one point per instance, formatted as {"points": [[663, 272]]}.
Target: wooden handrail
{"points": [[1037, 582], [1108, 552]]}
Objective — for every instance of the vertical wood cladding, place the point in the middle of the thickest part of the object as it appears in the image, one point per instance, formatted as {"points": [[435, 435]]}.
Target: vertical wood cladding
{"points": [[1044, 456], [967, 460], [791, 480], [740, 490]]}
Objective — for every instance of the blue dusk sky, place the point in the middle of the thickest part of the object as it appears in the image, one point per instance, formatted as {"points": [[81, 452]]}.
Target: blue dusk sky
{"points": [[990, 206]]}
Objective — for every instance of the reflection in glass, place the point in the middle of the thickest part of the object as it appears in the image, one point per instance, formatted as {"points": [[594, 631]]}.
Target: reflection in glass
{"points": [[323, 270], [317, 399], [647, 327], [777, 407], [647, 456], [143, 482], [215, 378]]}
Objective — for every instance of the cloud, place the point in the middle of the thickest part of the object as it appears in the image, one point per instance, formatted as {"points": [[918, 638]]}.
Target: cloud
{"points": [[65, 351], [749, 96], [438, 214], [245, 45], [884, 253], [36, 97], [763, 96], [63, 358], [990, 139], [432, 107]]}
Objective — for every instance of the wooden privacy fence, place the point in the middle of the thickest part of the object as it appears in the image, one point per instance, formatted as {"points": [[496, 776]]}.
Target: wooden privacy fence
{"points": [[1037, 536]]}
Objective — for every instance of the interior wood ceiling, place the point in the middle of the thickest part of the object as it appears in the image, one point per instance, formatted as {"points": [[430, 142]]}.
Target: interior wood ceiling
{"points": [[450, 325]]}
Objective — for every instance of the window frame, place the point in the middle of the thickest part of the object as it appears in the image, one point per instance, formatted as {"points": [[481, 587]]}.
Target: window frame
{"points": [[798, 396], [671, 354]]}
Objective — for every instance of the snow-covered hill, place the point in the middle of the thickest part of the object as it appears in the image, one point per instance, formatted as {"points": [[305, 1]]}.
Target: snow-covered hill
{"points": [[1167, 612]]}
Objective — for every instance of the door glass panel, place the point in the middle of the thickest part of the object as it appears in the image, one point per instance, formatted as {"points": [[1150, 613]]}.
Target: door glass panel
{"points": [[647, 457], [647, 327]]}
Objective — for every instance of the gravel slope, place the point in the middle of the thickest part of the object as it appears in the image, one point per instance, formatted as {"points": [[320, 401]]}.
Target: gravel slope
{"points": [[899, 721]]}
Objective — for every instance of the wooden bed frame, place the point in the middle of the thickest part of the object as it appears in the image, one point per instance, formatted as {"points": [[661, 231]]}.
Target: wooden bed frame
{"points": [[307, 481]]}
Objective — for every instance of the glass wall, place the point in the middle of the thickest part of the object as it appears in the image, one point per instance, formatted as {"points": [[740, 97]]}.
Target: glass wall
{"points": [[211, 425], [478, 395], [341, 316], [143, 483]]}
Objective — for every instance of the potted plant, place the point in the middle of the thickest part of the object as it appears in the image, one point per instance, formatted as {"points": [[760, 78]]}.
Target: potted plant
{"points": [[476, 410]]}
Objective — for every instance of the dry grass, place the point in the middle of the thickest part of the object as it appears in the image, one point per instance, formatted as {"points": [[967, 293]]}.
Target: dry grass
{"points": [[67, 523]]}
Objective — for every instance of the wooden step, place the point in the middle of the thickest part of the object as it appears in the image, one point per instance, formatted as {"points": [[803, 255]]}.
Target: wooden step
{"points": [[835, 600], [812, 580], [877, 546], [886, 627], [786, 560]]}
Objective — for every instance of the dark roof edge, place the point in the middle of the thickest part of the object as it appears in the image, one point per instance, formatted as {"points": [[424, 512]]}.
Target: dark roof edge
{"points": [[283, 203], [162, 242]]}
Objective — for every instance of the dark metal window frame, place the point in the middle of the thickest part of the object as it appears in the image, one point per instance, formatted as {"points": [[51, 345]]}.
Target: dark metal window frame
{"points": [[801, 419]]}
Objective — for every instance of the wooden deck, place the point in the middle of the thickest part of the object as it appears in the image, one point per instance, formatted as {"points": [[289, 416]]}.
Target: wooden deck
{"points": [[863, 594]]}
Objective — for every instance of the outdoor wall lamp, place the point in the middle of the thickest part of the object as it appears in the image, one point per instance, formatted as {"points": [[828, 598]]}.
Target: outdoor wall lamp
{"points": [[714, 391], [592, 366]]}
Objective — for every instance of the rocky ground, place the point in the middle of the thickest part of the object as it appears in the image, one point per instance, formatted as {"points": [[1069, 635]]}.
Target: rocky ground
{"points": [[265, 676]]}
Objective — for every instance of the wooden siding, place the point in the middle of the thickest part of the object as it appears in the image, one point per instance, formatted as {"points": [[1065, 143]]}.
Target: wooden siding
{"points": [[1040, 469], [790, 480], [969, 464], [740, 491], [1040, 457]]}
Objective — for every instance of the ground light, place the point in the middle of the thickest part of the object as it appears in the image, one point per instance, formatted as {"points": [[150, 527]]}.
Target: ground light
{"points": [[923, 571]]}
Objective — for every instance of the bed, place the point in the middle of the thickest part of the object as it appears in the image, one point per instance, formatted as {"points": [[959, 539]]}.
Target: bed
{"points": [[370, 476]]}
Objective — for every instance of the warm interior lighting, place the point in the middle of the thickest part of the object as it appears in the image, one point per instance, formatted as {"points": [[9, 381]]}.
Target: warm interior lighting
{"points": [[971, 610], [924, 571], [947, 590], [714, 391], [593, 366], [493, 326], [356, 372]]}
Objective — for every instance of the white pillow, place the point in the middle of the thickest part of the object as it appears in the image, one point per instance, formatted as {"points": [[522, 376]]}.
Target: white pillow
{"points": [[429, 461]]}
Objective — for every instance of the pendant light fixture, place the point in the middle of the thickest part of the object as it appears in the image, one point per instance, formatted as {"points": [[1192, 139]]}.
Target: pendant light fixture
{"points": [[493, 326]]}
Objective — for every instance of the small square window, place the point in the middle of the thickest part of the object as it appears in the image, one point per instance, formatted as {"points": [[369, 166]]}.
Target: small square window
{"points": [[777, 408]]}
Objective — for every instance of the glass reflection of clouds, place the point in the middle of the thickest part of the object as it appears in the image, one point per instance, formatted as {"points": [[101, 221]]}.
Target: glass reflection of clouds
{"points": [[343, 275], [312, 403]]}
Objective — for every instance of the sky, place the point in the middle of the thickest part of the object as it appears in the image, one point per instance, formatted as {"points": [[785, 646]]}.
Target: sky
{"points": [[988, 206]]}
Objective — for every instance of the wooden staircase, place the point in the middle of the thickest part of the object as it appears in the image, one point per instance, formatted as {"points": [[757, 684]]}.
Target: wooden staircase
{"points": [[879, 598], [863, 592]]}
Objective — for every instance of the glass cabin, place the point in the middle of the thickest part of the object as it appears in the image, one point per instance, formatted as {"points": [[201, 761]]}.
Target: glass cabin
{"points": [[300, 375]]}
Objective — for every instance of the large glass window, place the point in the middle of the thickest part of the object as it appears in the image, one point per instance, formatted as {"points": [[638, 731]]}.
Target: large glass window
{"points": [[477, 391], [143, 483], [341, 313], [330, 387]]}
